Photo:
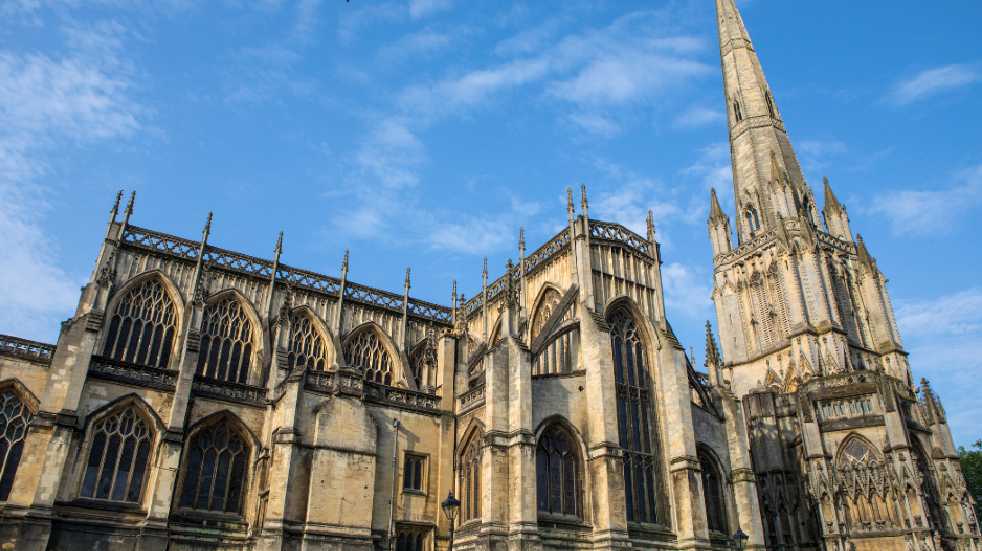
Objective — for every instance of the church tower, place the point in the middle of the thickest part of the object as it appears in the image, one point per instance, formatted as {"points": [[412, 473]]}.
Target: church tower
{"points": [[796, 296]]}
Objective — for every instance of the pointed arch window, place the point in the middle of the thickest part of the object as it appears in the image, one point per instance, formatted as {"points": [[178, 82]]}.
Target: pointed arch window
{"points": [[365, 350], [15, 416], [422, 361], [547, 305], [142, 326], [634, 417], [307, 349], [558, 473], [227, 342], [737, 112], [119, 453], [215, 469], [712, 487], [753, 220], [470, 478], [770, 103]]}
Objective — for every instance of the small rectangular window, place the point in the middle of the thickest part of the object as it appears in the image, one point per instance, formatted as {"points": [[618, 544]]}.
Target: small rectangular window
{"points": [[414, 469]]}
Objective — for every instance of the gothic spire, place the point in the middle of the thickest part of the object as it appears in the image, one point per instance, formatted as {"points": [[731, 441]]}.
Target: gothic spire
{"points": [[830, 199], [715, 211], [762, 155]]}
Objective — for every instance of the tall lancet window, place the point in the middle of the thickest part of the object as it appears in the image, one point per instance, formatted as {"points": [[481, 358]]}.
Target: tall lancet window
{"points": [[712, 488], [753, 220], [634, 411], [770, 103], [307, 348], [470, 478], [737, 112], [226, 342], [142, 327], [14, 418], [365, 350], [557, 473]]}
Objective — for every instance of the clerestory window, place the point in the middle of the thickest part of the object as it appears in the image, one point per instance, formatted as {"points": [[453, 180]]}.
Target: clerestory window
{"points": [[227, 346], [142, 326]]}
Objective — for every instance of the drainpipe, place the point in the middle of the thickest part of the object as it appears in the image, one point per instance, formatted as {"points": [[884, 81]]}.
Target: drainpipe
{"points": [[395, 481]]}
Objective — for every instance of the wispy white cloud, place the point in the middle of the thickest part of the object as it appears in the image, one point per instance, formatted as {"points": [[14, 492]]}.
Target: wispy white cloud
{"points": [[944, 335], [687, 292], [392, 154], [697, 116], [920, 212], [931, 82], [48, 102], [419, 43], [425, 8], [595, 124]]}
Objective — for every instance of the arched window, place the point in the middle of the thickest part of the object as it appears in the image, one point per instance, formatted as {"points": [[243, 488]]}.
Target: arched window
{"points": [[547, 305], [712, 487], [770, 103], [14, 418], [470, 478], [737, 112], [215, 469], [118, 456], [558, 473], [634, 411], [142, 327], [753, 221], [226, 342], [422, 361], [307, 348], [365, 350]]}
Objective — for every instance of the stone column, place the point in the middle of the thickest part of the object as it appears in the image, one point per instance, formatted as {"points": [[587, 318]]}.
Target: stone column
{"points": [[742, 472]]}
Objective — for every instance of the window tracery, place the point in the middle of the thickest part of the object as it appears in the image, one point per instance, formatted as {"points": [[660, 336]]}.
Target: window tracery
{"points": [[634, 411], [547, 305], [307, 348], [15, 416], [753, 220], [422, 361], [215, 469], [118, 456], [142, 326], [366, 350], [226, 352], [470, 479], [558, 473]]}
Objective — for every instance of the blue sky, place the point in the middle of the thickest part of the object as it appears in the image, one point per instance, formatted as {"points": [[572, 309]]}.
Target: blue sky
{"points": [[423, 133]]}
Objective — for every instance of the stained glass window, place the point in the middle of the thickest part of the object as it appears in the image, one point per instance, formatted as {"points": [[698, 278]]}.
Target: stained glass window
{"points": [[118, 457], [226, 342], [215, 469], [557, 473], [142, 326]]}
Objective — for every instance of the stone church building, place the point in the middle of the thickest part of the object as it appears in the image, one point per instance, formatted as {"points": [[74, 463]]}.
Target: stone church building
{"points": [[201, 398]]}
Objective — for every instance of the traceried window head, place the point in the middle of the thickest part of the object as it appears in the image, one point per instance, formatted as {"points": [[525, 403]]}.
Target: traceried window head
{"points": [[226, 342], [142, 327], [422, 361], [365, 350], [547, 305], [558, 473], [14, 418], [753, 220], [634, 416], [118, 456], [307, 349], [215, 469], [470, 479], [712, 487]]}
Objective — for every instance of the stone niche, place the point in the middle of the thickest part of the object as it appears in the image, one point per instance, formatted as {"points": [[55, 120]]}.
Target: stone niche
{"points": [[342, 467]]}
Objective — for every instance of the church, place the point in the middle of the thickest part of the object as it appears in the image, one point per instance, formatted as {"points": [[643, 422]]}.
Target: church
{"points": [[204, 399]]}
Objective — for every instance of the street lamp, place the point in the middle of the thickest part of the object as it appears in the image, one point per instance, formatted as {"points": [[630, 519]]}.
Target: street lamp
{"points": [[740, 538], [450, 507]]}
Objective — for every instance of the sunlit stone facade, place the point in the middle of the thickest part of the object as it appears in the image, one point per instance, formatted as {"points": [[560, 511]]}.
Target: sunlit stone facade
{"points": [[201, 398]]}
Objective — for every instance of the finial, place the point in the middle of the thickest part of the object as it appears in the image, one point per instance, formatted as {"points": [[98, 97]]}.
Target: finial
{"points": [[278, 248], [584, 206], [521, 241], [344, 261], [484, 272], [129, 208], [115, 210], [570, 209], [408, 271], [453, 293], [509, 265], [207, 230], [650, 223]]}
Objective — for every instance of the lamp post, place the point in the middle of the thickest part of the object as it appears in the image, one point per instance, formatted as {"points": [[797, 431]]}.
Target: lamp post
{"points": [[450, 507], [740, 539]]}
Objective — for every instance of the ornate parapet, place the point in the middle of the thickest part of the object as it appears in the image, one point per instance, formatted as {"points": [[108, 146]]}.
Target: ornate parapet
{"points": [[402, 398], [132, 374], [229, 392], [471, 398], [26, 350]]}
